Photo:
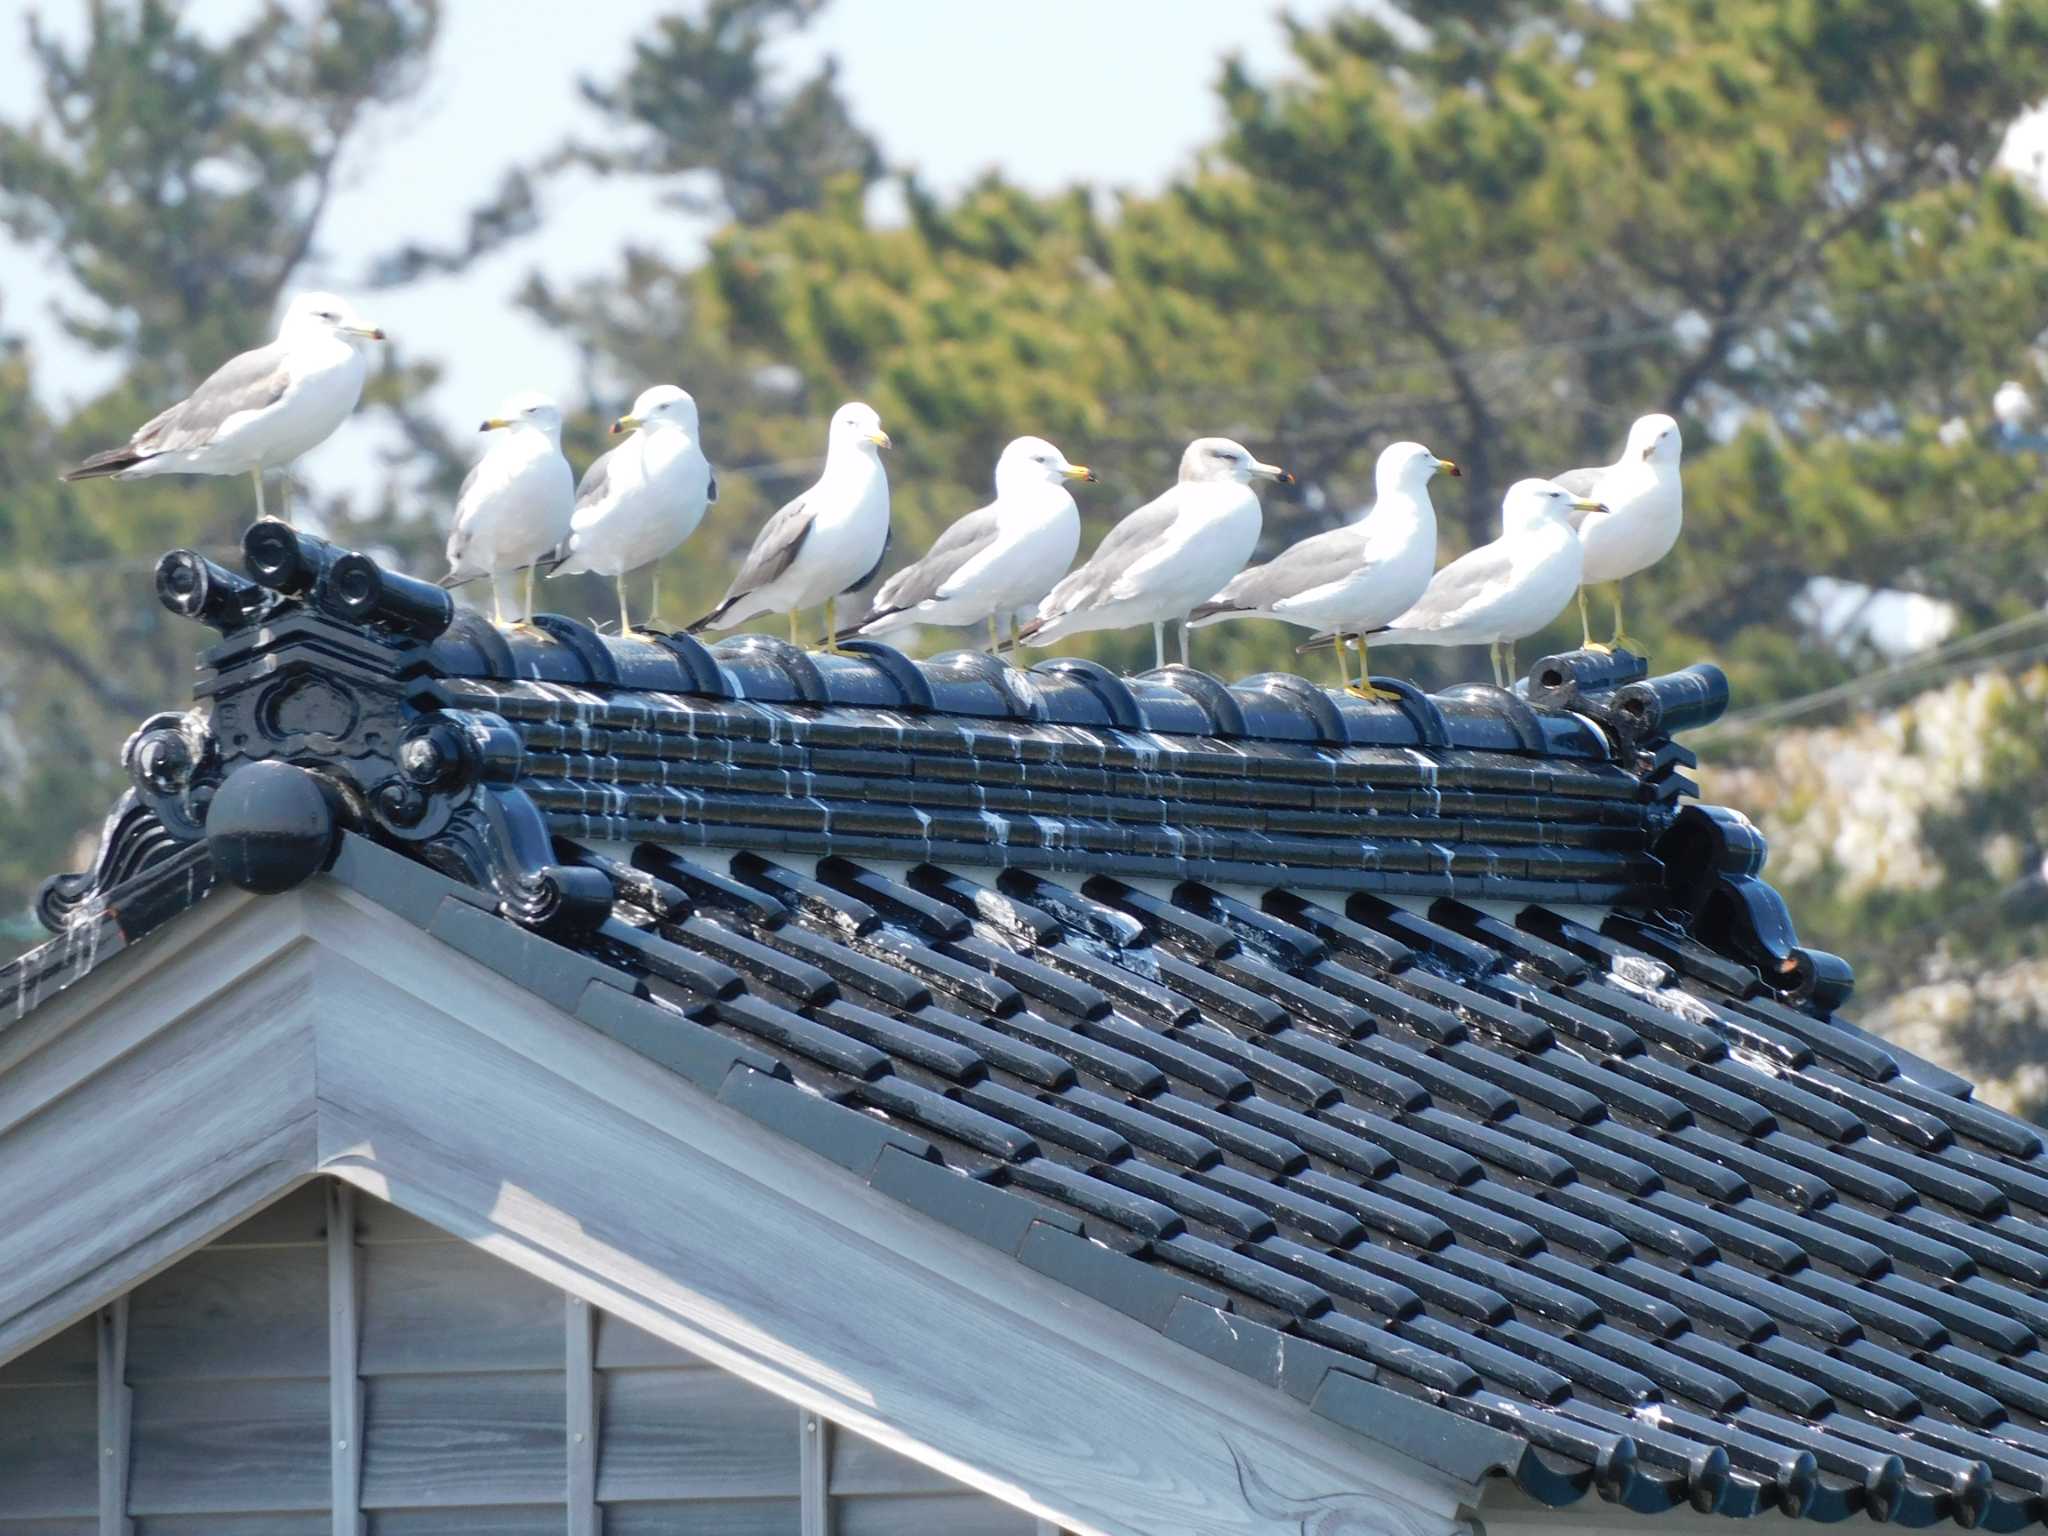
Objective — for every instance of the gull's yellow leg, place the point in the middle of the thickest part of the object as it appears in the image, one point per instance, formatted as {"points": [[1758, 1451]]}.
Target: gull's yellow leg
{"points": [[625, 624], [284, 499], [1365, 688], [832, 626], [1621, 635], [1493, 652], [792, 628], [1343, 666], [526, 603], [654, 596], [257, 476], [1514, 671], [497, 603]]}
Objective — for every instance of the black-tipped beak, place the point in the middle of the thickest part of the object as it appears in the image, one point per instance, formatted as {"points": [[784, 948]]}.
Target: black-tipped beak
{"points": [[1451, 469]]}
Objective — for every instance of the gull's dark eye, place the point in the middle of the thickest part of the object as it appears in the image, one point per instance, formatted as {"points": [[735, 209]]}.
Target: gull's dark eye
{"points": [[1221, 453], [328, 314]]}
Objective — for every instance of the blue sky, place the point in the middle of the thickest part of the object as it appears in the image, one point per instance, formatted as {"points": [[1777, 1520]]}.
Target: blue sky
{"points": [[1119, 92]]}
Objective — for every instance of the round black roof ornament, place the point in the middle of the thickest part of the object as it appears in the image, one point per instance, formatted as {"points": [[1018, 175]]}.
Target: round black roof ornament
{"points": [[270, 827]]}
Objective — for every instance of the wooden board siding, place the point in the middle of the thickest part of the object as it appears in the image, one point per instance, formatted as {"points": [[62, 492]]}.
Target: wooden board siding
{"points": [[466, 1367]]}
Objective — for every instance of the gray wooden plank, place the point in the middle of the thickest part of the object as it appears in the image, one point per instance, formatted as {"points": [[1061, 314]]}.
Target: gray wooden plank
{"points": [[266, 1523], [49, 1452], [434, 1441], [494, 1520], [96, 1198], [70, 1358], [620, 1344], [113, 1402], [695, 1434], [965, 1513], [446, 1306], [814, 1497], [861, 1466], [52, 1527], [219, 1447], [580, 1372], [237, 1313], [721, 1517], [344, 1350], [297, 1216]]}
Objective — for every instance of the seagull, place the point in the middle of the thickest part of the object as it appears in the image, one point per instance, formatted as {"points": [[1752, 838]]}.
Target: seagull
{"points": [[996, 561], [642, 499], [1503, 591], [1350, 580], [515, 504], [2013, 407], [258, 411], [828, 541], [1645, 511], [1167, 556]]}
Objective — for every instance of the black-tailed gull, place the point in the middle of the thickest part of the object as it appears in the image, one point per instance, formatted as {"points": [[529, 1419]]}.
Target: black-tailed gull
{"points": [[1167, 556], [642, 499], [1645, 511], [514, 505], [994, 561], [826, 542], [259, 410], [1353, 579], [1503, 591]]}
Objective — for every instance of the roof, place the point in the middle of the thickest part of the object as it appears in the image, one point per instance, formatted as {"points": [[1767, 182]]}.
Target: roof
{"points": [[1442, 1066]]}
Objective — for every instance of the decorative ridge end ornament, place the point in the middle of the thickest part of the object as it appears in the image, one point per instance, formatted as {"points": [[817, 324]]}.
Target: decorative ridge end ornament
{"points": [[1713, 861], [318, 711]]}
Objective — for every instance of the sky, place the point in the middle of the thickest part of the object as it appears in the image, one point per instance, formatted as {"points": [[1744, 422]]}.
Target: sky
{"points": [[1049, 92]]}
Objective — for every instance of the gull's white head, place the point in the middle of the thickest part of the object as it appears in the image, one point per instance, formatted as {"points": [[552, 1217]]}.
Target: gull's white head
{"points": [[2012, 405], [311, 316], [1218, 458], [528, 411], [1408, 467], [1529, 504], [1652, 440], [1030, 461], [664, 405], [855, 426]]}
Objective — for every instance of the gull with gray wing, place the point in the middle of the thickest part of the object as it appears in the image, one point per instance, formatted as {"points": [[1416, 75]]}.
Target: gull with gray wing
{"points": [[1643, 509], [1349, 580], [1167, 556], [994, 561], [259, 410], [825, 543], [642, 499], [514, 506], [1504, 591]]}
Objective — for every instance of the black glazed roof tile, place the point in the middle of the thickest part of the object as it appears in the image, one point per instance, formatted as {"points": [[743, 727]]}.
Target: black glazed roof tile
{"points": [[1367, 1050]]}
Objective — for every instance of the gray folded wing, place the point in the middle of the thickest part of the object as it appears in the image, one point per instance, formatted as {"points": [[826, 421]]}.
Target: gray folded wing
{"points": [[250, 382], [775, 548], [590, 490], [1123, 547], [922, 581], [1583, 483], [1469, 579], [1314, 562]]}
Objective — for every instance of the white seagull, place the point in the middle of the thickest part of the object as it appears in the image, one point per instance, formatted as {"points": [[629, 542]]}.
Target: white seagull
{"points": [[1503, 591], [258, 411], [514, 506], [994, 561], [1644, 510], [1167, 556], [828, 541], [1353, 579], [642, 499]]}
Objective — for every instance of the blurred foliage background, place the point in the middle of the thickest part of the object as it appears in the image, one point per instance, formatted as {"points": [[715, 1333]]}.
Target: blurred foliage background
{"points": [[1505, 227]]}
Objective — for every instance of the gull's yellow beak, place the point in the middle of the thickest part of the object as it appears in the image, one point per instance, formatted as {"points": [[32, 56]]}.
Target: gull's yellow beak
{"points": [[368, 332], [1080, 472], [1445, 466], [1581, 504], [492, 423], [1272, 472], [879, 438], [625, 424]]}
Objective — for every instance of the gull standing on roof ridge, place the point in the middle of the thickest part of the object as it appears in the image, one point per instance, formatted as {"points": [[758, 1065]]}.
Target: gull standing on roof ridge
{"points": [[515, 504], [643, 498], [1004, 557], [1644, 511], [1167, 556], [1501, 592], [259, 410], [1348, 581], [827, 542]]}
